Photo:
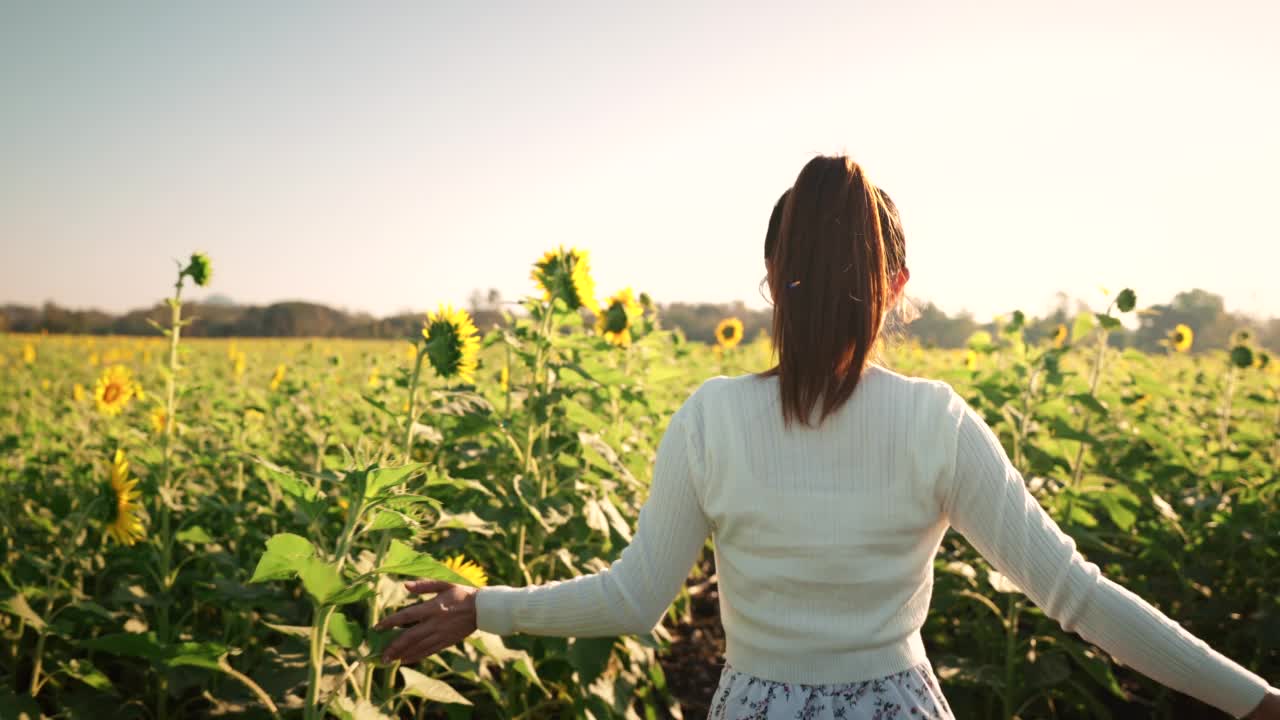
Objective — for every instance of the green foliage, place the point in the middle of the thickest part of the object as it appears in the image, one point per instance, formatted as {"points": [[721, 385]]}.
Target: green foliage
{"points": [[297, 511]]}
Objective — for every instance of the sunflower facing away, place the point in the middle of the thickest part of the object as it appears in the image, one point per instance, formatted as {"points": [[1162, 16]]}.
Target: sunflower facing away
{"points": [[453, 343], [125, 524], [1060, 336], [620, 314], [729, 332], [115, 389], [1181, 338], [566, 274], [468, 570]]}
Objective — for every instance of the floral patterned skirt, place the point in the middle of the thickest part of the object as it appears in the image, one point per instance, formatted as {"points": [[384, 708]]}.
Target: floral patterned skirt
{"points": [[912, 693]]}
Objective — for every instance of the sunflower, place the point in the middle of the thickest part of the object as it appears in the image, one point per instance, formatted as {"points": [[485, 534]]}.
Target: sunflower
{"points": [[278, 377], [970, 360], [126, 522], [1060, 336], [566, 274], [373, 377], [28, 353], [1181, 338], [237, 364], [729, 332], [1261, 360], [115, 389], [95, 359], [158, 419], [467, 569], [504, 379], [453, 344], [621, 313], [77, 392]]}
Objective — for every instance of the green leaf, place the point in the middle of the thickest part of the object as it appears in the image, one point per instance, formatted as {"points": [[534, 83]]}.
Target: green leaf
{"points": [[298, 631], [590, 656], [284, 557], [196, 654], [347, 709], [139, 645], [1090, 402], [320, 578], [289, 484], [382, 478], [1082, 326], [1098, 668], [404, 560], [195, 535], [1123, 517], [419, 685], [344, 632], [86, 672], [17, 605], [1107, 322], [581, 417], [350, 594]]}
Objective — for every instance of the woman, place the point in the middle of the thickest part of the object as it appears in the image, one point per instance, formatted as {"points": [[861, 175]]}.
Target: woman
{"points": [[826, 527]]}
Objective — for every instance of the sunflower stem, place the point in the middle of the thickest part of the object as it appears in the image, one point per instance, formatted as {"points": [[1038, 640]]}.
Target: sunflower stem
{"points": [[1224, 424], [535, 429], [1078, 471], [375, 609], [166, 530]]}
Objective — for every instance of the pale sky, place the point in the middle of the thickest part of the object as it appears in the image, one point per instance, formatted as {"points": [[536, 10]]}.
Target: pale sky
{"points": [[382, 156]]}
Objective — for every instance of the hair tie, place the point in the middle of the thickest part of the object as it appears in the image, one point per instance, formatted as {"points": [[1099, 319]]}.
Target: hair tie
{"points": [[793, 284]]}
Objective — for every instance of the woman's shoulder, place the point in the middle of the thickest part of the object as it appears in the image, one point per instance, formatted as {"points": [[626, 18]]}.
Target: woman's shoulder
{"points": [[891, 377]]}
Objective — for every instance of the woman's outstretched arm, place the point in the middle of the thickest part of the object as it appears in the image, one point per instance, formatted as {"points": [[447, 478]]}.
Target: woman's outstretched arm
{"points": [[986, 500], [632, 595]]}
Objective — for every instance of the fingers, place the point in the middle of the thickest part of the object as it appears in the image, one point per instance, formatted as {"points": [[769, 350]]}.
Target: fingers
{"points": [[428, 586], [410, 639], [409, 616], [428, 647]]}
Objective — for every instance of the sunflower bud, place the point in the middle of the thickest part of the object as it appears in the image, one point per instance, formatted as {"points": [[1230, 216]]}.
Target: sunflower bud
{"points": [[1126, 300], [200, 269], [1241, 356]]}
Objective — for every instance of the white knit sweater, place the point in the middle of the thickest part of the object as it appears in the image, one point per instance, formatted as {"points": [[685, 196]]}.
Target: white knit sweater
{"points": [[825, 540]]}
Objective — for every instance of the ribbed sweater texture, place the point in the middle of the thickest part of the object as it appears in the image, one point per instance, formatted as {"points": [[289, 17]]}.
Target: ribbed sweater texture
{"points": [[825, 540]]}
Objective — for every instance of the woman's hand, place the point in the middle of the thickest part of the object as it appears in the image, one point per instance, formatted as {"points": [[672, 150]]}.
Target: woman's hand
{"points": [[1269, 708], [433, 625]]}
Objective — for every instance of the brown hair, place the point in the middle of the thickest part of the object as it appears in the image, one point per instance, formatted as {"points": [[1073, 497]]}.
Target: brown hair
{"points": [[834, 245]]}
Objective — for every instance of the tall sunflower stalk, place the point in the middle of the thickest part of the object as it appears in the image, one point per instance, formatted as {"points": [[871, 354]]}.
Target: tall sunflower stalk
{"points": [[1124, 302], [199, 270], [449, 342], [1240, 357]]}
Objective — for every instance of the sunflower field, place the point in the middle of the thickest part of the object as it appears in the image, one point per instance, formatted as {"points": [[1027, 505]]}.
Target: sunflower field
{"points": [[211, 528]]}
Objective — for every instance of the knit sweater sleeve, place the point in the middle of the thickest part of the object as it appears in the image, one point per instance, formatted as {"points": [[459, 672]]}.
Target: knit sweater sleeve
{"points": [[985, 498], [631, 595]]}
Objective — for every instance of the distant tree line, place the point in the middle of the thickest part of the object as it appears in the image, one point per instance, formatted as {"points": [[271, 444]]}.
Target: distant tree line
{"points": [[1204, 312]]}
